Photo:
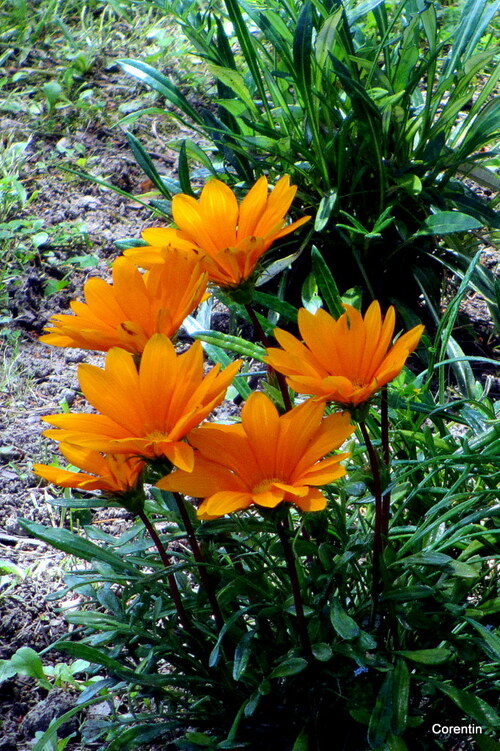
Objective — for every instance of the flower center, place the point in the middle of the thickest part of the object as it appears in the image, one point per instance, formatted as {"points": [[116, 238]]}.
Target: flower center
{"points": [[157, 435], [264, 485]]}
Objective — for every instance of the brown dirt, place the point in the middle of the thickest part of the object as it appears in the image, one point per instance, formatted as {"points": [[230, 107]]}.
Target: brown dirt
{"points": [[36, 378]]}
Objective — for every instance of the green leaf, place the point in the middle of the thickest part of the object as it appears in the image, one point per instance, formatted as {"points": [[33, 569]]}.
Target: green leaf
{"points": [[9, 567], [217, 355], [411, 183], [146, 164], [196, 153], [7, 671], [326, 283], [242, 654], [160, 83], [183, 169], [396, 743], [322, 651], [472, 705], [302, 45], [311, 301], [98, 657], [276, 267], [401, 696], [427, 656], [27, 662], [247, 44], [232, 343], [485, 743], [326, 206], [291, 666], [71, 544], [326, 38], [492, 641], [302, 741], [380, 720], [235, 82], [345, 626], [447, 222], [285, 310], [199, 739]]}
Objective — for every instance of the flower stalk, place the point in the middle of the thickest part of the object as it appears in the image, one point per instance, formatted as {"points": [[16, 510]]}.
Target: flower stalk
{"points": [[378, 536], [283, 530], [165, 558], [386, 453], [198, 556]]}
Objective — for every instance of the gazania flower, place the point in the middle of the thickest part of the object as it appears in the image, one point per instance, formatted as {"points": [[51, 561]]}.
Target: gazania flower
{"points": [[128, 312], [265, 460], [345, 360], [232, 237], [112, 474], [147, 412]]}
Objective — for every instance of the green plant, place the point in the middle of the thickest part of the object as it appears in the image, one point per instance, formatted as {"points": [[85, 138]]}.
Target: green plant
{"points": [[269, 627], [375, 110], [26, 242], [13, 194], [10, 574]]}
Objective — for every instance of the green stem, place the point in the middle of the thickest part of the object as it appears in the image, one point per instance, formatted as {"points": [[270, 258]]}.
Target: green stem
{"points": [[386, 498], [198, 556], [174, 590], [282, 528], [378, 539], [267, 343]]}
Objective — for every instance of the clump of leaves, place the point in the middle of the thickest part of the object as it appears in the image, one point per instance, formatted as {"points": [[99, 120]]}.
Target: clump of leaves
{"points": [[377, 111], [391, 653]]}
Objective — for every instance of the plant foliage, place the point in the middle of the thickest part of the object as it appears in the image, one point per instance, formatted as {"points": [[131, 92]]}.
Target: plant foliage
{"points": [[377, 110]]}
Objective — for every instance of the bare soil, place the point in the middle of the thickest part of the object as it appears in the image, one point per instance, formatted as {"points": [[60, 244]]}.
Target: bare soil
{"points": [[36, 380]]}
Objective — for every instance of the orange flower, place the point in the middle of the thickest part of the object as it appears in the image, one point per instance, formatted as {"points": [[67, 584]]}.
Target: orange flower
{"points": [[112, 474], [128, 312], [147, 412], [232, 237], [265, 460], [345, 360]]}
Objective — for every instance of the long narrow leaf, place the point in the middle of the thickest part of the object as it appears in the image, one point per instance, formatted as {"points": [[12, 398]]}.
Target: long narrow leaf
{"points": [[326, 283], [146, 164], [160, 83]]}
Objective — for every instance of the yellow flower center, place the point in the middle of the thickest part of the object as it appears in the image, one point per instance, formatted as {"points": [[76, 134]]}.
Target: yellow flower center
{"points": [[264, 485], [157, 435]]}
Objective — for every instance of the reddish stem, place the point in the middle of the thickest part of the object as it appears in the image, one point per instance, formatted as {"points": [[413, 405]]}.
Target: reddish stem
{"points": [[166, 560], [386, 498], [198, 556], [282, 528], [378, 539]]}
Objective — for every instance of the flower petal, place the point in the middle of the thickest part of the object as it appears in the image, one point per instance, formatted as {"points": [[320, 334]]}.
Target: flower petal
{"points": [[224, 502]]}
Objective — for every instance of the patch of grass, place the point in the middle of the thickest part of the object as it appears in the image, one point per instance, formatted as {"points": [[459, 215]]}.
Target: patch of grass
{"points": [[56, 59]]}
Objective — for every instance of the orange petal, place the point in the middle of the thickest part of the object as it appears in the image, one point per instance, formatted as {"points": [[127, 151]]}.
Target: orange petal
{"points": [[180, 454], [219, 209], [333, 431], [187, 216], [252, 208], [114, 392], [260, 422], [225, 502], [206, 479], [383, 344], [314, 501]]}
